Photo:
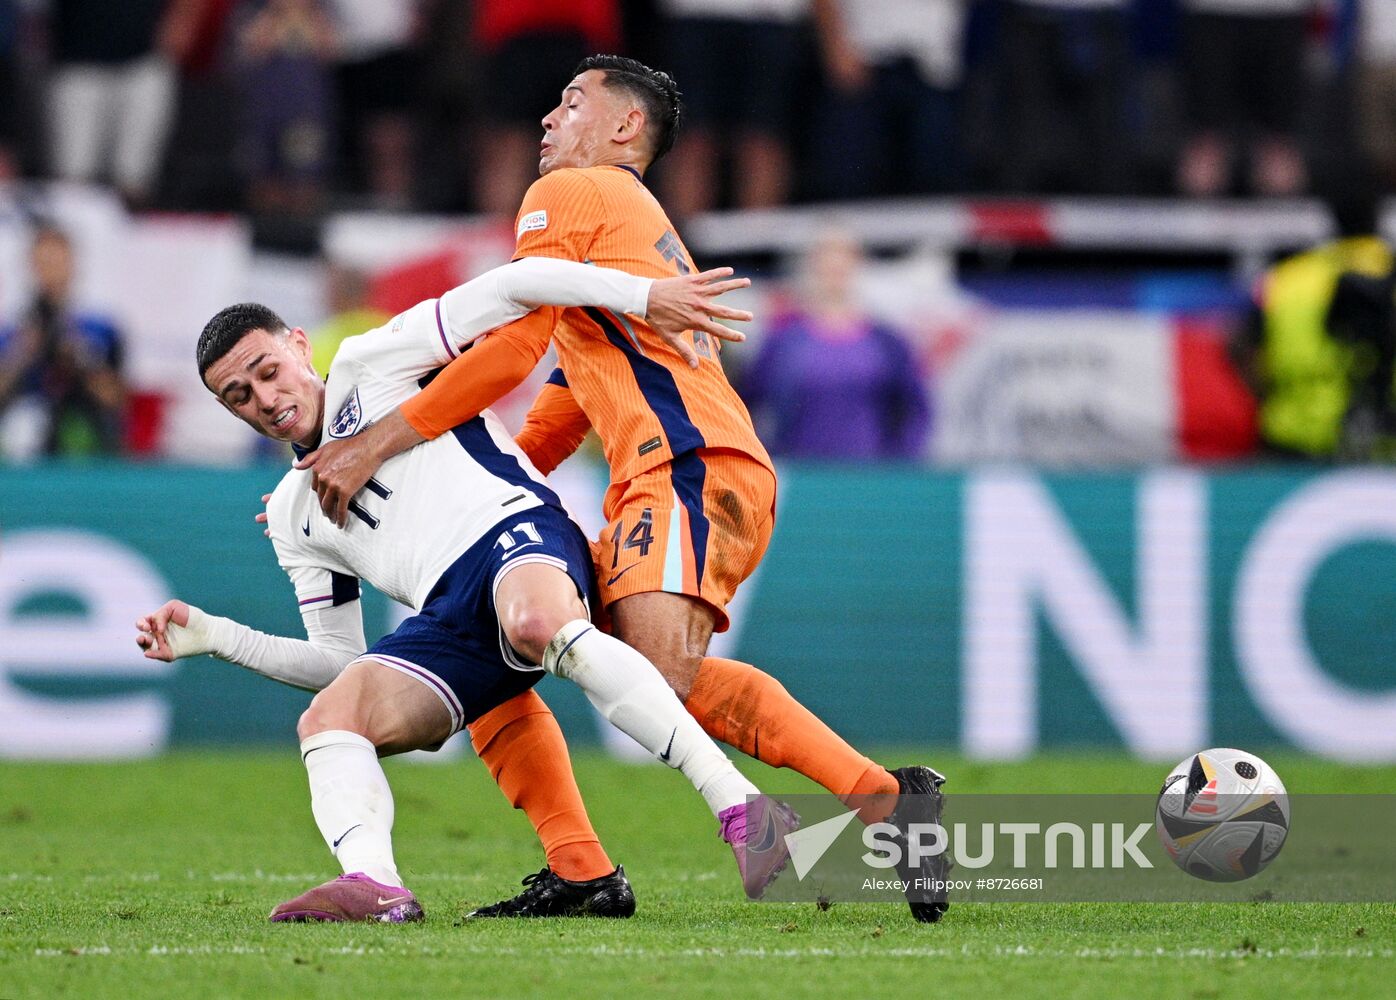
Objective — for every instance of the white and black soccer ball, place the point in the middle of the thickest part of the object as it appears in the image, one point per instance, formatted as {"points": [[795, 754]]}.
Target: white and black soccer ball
{"points": [[1222, 815]]}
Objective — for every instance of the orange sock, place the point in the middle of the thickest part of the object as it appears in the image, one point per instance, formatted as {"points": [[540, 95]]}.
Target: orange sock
{"points": [[521, 744], [750, 710]]}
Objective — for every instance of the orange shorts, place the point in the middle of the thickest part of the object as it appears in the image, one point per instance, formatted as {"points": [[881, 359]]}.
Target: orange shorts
{"points": [[697, 525]]}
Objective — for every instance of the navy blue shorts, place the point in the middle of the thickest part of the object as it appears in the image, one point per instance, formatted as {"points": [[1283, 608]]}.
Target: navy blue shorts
{"points": [[455, 645]]}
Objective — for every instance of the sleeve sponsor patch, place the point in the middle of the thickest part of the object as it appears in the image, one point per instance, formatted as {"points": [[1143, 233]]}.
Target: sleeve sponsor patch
{"points": [[533, 221]]}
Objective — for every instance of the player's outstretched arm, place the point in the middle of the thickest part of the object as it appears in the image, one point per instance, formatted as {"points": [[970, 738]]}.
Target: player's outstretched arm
{"points": [[494, 301], [179, 630], [490, 369], [501, 361], [672, 306]]}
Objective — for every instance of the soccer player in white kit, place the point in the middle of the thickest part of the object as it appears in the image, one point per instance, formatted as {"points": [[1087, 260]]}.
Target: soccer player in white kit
{"points": [[464, 530]]}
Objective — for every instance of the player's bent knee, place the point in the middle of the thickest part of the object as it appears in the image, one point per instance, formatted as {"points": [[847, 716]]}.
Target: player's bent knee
{"points": [[329, 712], [534, 601], [529, 630]]}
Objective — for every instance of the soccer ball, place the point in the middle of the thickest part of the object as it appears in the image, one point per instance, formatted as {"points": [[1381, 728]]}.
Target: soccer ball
{"points": [[1222, 815]]}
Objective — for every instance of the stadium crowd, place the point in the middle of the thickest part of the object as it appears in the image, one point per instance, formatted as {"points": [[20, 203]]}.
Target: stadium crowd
{"points": [[291, 106], [291, 110]]}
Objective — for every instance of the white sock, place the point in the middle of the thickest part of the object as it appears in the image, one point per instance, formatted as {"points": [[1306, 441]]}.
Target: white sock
{"points": [[630, 692], [352, 803]]}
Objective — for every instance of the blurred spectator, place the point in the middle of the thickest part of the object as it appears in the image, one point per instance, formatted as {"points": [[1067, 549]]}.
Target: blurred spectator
{"points": [[202, 145], [112, 92], [1376, 88], [1319, 345], [830, 381], [1244, 76], [284, 53], [1063, 72], [737, 63], [888, 119], [350, 315], [375, 82], [530, 48], [61, 391], [16, 113], [447, 90]]}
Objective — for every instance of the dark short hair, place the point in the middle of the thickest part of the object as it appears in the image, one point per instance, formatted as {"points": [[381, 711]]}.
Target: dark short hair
{"points": [[223, 332], [655, 89]]}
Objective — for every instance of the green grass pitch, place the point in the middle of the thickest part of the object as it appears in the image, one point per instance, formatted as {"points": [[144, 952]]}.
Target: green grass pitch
{"points": [[155, 879]]}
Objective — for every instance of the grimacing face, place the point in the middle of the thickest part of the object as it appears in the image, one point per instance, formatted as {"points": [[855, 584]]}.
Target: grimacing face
{"points": [[268, 383], [590, 126]]}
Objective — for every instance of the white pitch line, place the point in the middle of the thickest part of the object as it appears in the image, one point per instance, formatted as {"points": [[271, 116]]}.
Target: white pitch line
{"points": [[612, 951]]}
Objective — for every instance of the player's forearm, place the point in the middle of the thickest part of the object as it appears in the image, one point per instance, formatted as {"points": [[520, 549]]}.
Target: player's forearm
{"points": [[547, 281], [510, 292], [297, 662], [391, 436]]}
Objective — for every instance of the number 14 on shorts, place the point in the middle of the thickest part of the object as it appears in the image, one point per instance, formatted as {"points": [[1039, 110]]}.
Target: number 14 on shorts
{"points": [[640, 536]]}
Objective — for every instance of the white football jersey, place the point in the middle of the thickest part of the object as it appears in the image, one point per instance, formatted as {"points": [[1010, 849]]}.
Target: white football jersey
{"points": [[425, 507]]}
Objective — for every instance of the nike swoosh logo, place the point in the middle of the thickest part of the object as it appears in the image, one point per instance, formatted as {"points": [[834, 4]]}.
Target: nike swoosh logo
{"points": [[665, 755], [395, 899], [306, 527], [345, 834], [768, 835], [621, 574]]}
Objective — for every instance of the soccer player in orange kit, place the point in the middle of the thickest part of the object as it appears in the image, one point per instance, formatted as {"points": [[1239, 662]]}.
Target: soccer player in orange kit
{"points": [[691, 503]]}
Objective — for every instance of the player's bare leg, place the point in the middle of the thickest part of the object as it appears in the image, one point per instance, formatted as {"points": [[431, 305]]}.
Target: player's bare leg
{"points": [[545, 620], [739, 704], [672, 631], [746, 708], [369, 711]]}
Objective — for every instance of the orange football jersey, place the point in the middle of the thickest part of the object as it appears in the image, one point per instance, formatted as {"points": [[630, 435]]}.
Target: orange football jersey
{"points": [[643, 399]]}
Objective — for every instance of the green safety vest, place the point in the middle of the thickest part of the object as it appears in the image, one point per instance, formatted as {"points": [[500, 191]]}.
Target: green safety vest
{"points": [[1306, 372]]}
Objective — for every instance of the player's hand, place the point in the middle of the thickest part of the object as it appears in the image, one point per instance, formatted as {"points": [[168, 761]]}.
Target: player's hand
{"points": [[151, 634], [262, 517], [689, 302], [338, 470]]}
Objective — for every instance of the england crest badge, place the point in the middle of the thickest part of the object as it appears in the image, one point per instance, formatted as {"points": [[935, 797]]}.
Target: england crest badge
{"points": [[351, 414]]}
